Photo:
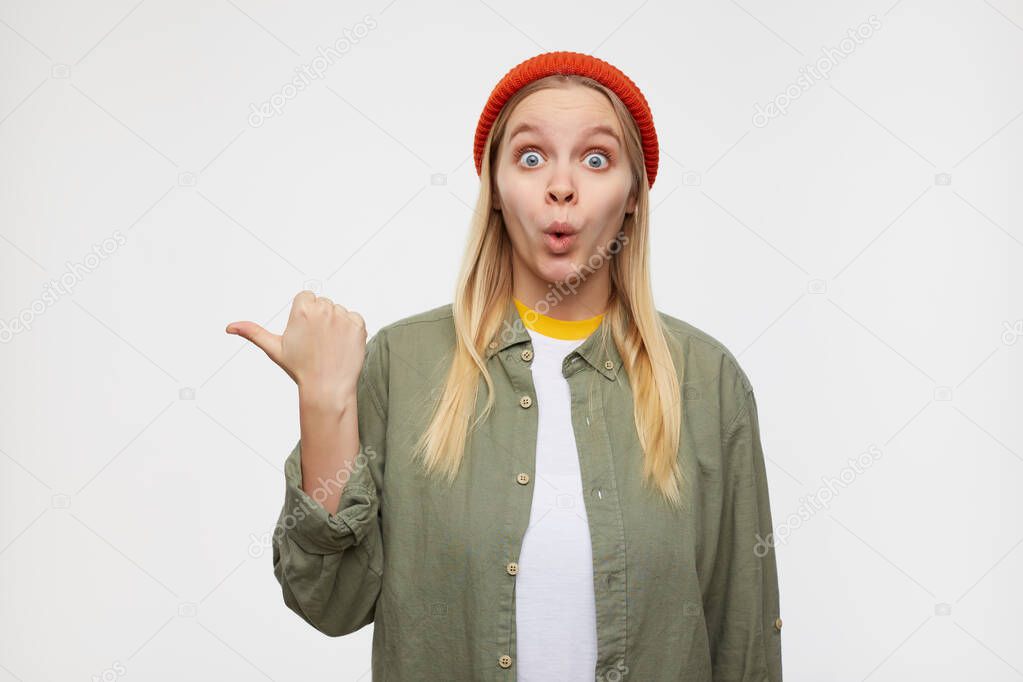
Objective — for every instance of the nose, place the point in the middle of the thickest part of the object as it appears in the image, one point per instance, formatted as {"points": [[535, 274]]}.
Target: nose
{"points": [[561, 194]]}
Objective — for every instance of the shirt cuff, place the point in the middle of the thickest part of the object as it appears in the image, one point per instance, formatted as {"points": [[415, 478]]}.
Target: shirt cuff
{"points": [[307, 523]]}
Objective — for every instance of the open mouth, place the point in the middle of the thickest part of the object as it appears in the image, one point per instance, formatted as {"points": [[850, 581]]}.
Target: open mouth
{"points": [[559, 242]]}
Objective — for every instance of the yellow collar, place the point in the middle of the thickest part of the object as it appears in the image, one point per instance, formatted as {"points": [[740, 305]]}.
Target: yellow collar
{"points": [[559, 329]]}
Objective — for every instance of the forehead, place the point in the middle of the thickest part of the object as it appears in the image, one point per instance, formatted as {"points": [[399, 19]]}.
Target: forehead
{"points": [[561, 111]]}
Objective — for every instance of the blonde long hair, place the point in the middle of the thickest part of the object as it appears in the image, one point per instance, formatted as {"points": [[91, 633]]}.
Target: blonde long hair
{"points": [[484, 290]]}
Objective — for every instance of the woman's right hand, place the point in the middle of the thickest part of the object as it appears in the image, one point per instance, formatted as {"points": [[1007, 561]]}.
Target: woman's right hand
{"points": [[322, 348]]}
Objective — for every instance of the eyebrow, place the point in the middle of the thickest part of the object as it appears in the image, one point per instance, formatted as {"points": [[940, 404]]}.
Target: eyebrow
{"points": [[598, 129]]}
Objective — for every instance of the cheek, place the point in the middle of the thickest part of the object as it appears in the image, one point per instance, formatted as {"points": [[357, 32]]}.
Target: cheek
{"points": [[612, 203], [519, 205], [619, 193], [511, 189]]}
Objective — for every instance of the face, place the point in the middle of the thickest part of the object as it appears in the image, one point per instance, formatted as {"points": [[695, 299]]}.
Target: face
{"points": [[562, 159]]}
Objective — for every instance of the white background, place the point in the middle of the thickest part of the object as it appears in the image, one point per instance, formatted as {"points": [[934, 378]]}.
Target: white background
{"points": [[873, 303]]}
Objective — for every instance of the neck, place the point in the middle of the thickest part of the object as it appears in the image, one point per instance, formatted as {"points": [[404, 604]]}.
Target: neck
{"points": [[589, 297]]}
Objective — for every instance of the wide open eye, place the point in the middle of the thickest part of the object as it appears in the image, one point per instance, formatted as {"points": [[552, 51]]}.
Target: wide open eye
{"points": [[597, 165], [532, 157]]}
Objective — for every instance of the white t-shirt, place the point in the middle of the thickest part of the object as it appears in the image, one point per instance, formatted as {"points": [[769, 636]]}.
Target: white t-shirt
{"points": [[556, 621]]}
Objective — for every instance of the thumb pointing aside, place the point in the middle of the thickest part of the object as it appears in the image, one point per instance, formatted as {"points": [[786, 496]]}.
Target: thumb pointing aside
{"points": [[268, 342]]}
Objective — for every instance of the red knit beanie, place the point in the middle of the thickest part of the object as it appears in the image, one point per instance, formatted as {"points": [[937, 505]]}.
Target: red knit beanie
{"points": [[550, 63]]}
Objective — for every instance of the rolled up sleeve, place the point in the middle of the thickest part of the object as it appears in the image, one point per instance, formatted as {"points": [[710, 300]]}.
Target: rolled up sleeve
{"points": [[330, 566], [307, 522]]}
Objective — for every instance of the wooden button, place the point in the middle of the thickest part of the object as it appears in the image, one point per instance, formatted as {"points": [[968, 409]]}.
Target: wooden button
{"points": [[504, 661], [522, 478], [527, 355], [608, 364], [512, 568], [525, 401], [777, 623]]}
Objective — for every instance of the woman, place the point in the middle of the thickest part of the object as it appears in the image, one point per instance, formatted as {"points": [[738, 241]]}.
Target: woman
{"points": [[547, 479]]}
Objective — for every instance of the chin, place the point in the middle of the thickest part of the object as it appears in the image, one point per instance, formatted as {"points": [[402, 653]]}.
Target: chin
{"points": [[556, 269]]}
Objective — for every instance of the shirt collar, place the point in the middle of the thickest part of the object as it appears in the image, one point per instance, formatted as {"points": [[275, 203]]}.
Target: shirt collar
{"points": [[565, 330], [513, 332]]}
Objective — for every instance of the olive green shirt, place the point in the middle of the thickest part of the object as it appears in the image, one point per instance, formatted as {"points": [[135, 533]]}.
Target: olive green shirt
{"points": [[680, 595]]}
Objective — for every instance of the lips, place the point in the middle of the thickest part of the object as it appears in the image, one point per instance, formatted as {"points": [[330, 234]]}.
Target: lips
{"points": [[561, 227], [559, 236], [559, 243]]}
